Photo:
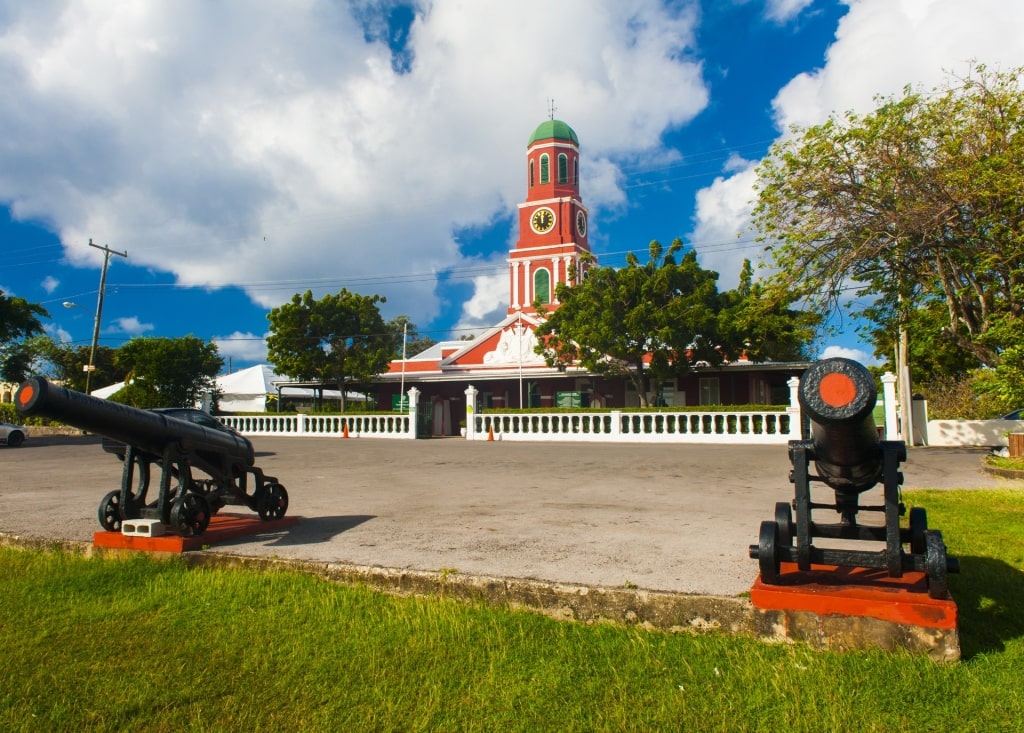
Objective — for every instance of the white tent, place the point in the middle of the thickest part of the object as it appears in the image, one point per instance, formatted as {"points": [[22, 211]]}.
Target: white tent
{"points": [[105, 392], [247, 390]]}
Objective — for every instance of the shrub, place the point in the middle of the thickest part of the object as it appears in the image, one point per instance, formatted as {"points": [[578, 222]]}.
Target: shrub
{"points": [[957, 398]]}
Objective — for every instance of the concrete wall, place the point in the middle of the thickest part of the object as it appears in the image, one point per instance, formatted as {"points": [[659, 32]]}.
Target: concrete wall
{"points": [[952, 433]]}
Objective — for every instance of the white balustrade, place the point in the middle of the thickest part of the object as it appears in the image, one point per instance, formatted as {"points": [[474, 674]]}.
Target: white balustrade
{"points": [[399, 425], [621, 426]]}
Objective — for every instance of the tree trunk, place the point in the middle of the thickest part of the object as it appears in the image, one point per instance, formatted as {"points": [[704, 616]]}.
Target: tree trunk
{"points": [[642, 382]]}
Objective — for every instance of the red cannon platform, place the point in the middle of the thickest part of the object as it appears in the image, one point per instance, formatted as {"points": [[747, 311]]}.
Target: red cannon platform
{"points": [[838, 397]]}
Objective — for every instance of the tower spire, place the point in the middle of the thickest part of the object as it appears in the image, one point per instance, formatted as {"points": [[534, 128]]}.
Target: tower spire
{"points": [[551, 108]]}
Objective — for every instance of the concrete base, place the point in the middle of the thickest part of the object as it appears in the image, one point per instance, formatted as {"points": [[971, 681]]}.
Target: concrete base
{"points": [[143, 528], [857, 608], [222, 527]]}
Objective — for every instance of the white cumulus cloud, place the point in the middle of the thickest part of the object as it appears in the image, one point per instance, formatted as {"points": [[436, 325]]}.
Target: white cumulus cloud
{"points": [[130, 325], [244, 347], [265, 144], [847, 353]]}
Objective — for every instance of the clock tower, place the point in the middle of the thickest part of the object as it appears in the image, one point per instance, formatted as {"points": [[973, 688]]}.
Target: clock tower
{"points": [[552, 221]]}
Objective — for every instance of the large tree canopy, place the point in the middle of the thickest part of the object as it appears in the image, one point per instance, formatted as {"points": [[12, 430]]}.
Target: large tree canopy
{"points": [[917, 205], [408, 341], [167, 372], [656, 320], [68, 364], [19, 320], [765, 328], [642, 321], [339, 340]]}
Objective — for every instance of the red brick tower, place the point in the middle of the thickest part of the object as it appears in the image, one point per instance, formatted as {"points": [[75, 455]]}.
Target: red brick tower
{"points": [[552, 220]]}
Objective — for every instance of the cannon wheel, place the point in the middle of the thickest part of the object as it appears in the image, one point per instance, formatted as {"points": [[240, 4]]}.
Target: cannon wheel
{"points": [[110, 512], [273, 502], [918, 528], [784, 518], [767, 552], [935, 564], [190, 514]]}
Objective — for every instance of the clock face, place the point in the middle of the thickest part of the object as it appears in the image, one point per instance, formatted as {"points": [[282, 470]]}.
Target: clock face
{"points": [[542, 220], [581, 223]]}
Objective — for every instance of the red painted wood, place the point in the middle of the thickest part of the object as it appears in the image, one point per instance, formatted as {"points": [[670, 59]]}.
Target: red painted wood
{"points": [[829, 590], [222, 527]]}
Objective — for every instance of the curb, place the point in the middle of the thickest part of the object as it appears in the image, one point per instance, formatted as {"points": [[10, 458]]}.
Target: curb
{"points": [[650, 609], [1009, 473]]}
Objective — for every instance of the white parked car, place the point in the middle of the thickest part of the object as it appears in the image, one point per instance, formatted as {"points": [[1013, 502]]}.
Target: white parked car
{"points": [[12, 435]]}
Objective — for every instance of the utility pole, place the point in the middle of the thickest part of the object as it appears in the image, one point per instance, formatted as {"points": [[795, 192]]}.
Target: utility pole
{"points": [[107, 251], [903, 378]]}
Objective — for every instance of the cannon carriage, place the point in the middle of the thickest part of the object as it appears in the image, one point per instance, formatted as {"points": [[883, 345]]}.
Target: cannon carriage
{"points": [[838, 398], [185, 500]]}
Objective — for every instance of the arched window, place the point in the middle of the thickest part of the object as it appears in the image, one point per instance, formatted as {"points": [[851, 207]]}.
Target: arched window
{"points": [[542, 287], [575, 171], [563, 168], [531, 174], [545, 164]]}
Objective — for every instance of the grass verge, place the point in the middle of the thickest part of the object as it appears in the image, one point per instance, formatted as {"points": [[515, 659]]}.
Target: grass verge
{"points": [[1012, 464], [143, 644]]}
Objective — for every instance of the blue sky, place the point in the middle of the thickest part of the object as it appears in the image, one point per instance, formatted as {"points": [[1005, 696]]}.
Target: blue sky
{"points": [[242, 152]]}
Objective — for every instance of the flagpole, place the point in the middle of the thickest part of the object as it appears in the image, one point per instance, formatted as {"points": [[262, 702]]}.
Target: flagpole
{"points": [[520, 352], [401, 390]]}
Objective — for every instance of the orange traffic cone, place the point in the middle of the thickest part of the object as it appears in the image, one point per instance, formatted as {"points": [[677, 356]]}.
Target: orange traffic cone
{"points": [[490, 432], [344, 430]]}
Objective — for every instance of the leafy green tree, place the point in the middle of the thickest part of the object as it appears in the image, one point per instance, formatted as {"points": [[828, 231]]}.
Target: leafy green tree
{"points": [[67, 363], [1003, 384], [766, 328], [933, 356], [338, 340], [167, 372], [642, 322], [405, 330], [19, 320], [914, 207]]}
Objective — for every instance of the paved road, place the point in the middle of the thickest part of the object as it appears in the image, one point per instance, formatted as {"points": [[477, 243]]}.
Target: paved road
{"points": [[674, 518]]}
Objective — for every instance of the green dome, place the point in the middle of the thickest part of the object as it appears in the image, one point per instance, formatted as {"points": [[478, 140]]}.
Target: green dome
{"points": [[553, 129]]}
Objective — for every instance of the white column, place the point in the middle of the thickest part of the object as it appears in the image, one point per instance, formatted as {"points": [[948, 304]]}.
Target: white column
{"points": [[892, 429], [795, 418], [471, 392], [527, 284], [515, 284], [414, 396], [555, 278]]}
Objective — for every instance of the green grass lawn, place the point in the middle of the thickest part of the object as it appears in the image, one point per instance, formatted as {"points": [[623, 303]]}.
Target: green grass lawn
{"points": [[149, 645]]}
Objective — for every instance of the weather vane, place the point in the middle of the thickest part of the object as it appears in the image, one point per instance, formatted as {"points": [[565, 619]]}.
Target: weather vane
{"points": [[551, 109]]}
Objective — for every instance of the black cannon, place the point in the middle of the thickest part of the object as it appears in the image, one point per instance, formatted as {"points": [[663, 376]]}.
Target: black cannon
{"points": [[838, 397], [183, 502]]}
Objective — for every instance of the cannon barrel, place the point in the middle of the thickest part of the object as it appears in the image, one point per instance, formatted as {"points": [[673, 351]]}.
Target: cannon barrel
{"points": [[147, 431], [838, 396]]}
